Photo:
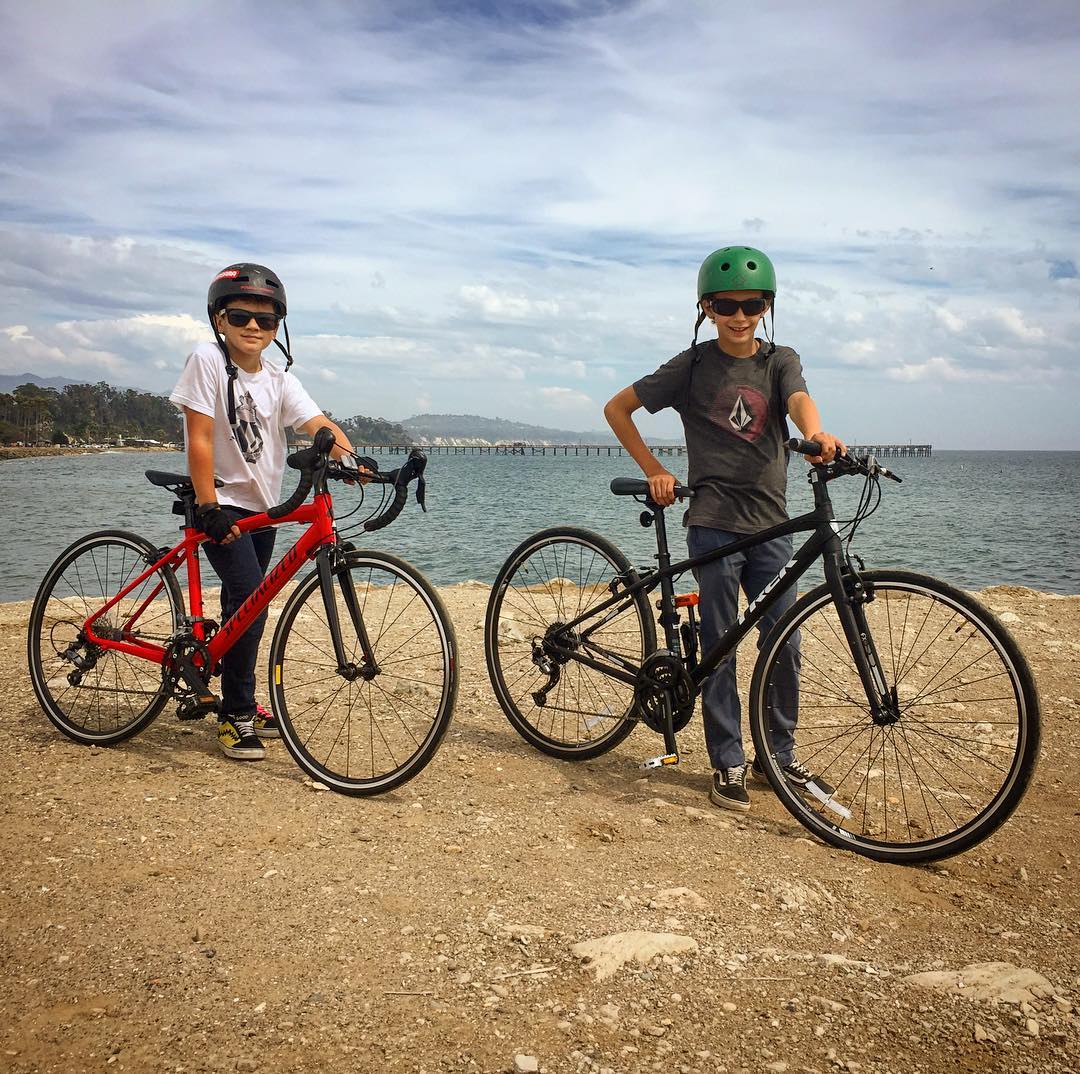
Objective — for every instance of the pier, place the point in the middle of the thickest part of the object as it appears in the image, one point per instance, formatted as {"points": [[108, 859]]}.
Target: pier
{"points": [[882, 451]]}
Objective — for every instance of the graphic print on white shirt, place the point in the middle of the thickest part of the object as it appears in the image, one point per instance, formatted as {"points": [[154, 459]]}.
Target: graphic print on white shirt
{"points": [[249, 435], [250, 461]]}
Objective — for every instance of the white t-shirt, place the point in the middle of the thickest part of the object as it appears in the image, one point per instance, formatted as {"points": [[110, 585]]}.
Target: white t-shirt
{"points": [[252, 461]]}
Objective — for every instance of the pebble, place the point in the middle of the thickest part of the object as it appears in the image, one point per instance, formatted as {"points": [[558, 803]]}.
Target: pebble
{"points": [[526, 1064], [246, 1064]]}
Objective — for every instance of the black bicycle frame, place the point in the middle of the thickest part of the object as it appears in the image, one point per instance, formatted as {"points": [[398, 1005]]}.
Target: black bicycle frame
{"points": [[847, 588]]}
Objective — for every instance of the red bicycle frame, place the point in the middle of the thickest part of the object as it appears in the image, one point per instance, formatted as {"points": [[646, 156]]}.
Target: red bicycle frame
{"points": [[320, 519]]}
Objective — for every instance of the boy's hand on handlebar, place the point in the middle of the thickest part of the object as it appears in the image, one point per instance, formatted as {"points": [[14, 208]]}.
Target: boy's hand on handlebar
{"points": [[350, 461], [662, 488], [831, 446]]}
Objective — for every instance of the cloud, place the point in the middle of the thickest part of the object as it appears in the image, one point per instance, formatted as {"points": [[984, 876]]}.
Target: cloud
{"points": [[532, 201]]}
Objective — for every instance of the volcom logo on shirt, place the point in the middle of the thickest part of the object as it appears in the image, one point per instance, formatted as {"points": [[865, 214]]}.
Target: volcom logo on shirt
{"points": [[741, 417], [248, 431], [741, 410]]}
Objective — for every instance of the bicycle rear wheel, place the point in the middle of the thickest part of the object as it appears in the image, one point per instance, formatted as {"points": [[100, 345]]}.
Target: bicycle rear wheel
{"points": [[551, 579], [113, 695], [371, 734], [948, 767]]}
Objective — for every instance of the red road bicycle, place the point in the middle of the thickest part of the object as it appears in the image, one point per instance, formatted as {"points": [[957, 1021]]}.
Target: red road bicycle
{"points": [[363, 668]]}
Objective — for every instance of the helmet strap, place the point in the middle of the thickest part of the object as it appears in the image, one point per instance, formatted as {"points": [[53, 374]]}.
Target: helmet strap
{"points": [[230, 368], [287, 349], [771, 333]]}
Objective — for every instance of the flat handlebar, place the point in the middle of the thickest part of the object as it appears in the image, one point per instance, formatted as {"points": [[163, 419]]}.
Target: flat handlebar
{"points": [[867, 465]]}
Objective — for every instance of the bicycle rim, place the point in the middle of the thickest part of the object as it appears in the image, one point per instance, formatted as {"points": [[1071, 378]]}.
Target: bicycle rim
{"points": [[374, 733], [115, 695], [553, 578], [954, 764]]}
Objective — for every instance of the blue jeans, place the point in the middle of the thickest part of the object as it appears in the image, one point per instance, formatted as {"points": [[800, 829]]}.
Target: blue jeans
{"points": [[718, 584], [241, 566]]}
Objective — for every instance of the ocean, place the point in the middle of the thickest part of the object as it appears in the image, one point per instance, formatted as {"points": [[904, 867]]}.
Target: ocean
{"points": [[974, 518]]}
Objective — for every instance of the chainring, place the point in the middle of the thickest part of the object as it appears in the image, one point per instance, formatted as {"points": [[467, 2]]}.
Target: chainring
{"points": [[661, 676]]}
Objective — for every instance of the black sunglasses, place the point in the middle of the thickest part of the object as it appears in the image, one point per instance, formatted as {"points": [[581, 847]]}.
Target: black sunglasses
{"points": [[726, 307], [240, 318]]}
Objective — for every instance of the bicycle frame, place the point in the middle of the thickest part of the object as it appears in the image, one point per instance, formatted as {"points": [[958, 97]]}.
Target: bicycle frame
{"points": [[846, 588], [320, 534]]}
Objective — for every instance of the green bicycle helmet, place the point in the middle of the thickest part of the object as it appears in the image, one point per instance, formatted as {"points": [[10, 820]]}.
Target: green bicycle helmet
{"points": [[736, 268]]}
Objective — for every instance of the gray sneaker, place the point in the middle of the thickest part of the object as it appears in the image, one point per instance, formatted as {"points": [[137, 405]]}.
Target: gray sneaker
{"points": [[728, 789], [796, 773]]}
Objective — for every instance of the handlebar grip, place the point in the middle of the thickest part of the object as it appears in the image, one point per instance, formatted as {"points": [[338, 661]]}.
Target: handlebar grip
{"points": [[804, 447], [401, 493], [296, 499]]}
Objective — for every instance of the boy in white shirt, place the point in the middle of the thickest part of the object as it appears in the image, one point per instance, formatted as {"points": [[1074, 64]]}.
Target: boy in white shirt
{"points": [[236, 409]]}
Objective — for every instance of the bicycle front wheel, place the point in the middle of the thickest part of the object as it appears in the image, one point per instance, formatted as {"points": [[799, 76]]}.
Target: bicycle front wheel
{"points": [[93, 695], [558, 704], [367, 732], [950, 760]]}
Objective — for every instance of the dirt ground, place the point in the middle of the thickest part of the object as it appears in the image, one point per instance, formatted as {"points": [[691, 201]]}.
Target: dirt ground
{"points": [[165, 909]]}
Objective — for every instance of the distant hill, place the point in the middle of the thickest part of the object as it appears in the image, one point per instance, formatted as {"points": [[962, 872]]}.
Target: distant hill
{"points": [[472, 428], [374, 431], [10, 381]]}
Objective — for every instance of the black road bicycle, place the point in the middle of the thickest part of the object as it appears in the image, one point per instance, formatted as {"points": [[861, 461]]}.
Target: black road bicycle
{"points": [[918, 713]]}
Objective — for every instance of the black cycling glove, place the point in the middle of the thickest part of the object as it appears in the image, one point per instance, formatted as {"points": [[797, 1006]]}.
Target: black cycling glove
{"points": [[214, 522]]}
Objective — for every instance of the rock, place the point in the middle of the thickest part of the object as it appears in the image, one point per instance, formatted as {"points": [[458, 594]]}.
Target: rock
{"points": [[246, 1064], [524, 933], [526, 1064], [987, 981], [606, 955], [677, 898], [983, 1035]]}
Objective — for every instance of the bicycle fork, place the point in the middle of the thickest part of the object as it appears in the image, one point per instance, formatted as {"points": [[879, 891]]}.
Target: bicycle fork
{"points": [[850, 595], [326, 560]]}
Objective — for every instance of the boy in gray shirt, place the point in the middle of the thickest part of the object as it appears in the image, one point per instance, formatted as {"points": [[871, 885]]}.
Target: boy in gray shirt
{"points": [[732, 394]]}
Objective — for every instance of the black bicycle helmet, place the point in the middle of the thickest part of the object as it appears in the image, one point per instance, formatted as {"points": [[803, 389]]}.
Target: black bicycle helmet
{"points": [[243, 280]]}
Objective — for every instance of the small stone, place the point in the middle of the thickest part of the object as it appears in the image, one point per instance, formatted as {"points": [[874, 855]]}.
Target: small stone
{"points": [[729, 1007], [247, 1064], [1032, 1026], [526, 1064], [779, 1066], [983, 1035]]}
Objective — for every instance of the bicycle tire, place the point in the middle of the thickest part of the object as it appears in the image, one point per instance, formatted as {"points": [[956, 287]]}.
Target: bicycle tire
{"points": [[955, 764], [533, 591], [118, 695], [345, 734]]}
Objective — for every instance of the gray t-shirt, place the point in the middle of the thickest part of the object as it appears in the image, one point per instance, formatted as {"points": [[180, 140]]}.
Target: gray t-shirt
{"points": [[733, 412]]}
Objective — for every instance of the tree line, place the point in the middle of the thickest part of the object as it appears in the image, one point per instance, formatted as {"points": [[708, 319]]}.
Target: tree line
{"points": [[98, 413], [86, 413]]}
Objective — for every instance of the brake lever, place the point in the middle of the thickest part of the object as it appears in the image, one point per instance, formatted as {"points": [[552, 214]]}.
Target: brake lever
{"points": [[421, 485]]}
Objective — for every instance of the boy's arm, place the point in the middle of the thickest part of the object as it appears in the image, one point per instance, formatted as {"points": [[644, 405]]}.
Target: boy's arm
{"points": [[619, 410], [342, 445], [200, 456], [804, 413]]}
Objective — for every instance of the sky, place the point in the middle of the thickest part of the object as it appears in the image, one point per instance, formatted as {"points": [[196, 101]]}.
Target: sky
{"points": [[500, 208]]}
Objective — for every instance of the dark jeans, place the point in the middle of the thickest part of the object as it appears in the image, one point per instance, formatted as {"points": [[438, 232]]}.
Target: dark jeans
{"points": [[719, 583], [241, 566]]}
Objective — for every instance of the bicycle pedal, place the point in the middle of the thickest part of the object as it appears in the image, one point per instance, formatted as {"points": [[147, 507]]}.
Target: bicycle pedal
{"points": [[663, 761], [197, 708]]}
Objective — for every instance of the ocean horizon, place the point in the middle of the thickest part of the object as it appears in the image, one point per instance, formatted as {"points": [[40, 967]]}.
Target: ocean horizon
{"points": [[973, 518]]}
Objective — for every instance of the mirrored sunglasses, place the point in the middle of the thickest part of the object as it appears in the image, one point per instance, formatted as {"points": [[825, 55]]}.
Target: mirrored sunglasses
{"points": [[241, 318], [726, 307]]}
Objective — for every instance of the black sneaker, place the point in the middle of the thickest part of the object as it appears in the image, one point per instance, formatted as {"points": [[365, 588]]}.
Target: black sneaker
{"points": [[237, 739], [797, 774], [728, 789]]}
